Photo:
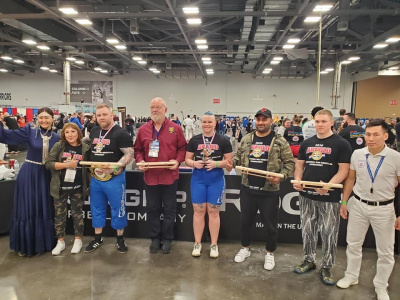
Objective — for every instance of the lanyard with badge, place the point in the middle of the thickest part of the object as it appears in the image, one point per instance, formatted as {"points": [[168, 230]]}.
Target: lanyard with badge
{"points": [[376, 171], [70, 174], [154, 146], [207, 147]]}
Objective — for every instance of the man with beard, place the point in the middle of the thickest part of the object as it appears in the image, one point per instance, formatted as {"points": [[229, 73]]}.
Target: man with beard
{"points": [[109, 143], [267, 151], [353, 133], [160, 140]]}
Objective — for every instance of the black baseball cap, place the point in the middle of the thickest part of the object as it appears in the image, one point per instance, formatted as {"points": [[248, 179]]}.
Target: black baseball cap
{"points": [[265, 112]]}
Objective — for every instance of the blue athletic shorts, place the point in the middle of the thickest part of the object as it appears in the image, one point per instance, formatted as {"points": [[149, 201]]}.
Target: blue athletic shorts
{"points": [[113, 193], [207, 186]]}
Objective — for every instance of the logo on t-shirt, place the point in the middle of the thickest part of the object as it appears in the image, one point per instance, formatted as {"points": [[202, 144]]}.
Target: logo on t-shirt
{"points": [[295, 138], [359, 141], [258, 150], [318, 152], [171, 129], [361, 163]]}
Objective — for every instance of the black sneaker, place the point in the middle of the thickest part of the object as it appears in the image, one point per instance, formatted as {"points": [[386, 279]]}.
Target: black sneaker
{"points": [[155, 245], [93, 245], [166, 246], [304, 267], [121, 246], [326, 276]]}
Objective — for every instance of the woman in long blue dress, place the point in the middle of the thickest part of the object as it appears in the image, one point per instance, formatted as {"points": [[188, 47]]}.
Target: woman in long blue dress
{"points": [[32, 226]]}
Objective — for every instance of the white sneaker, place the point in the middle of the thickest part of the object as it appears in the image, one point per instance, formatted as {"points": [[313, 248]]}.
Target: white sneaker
{"points": [[77, 246], [196, 250], [214, 251], [382, 294], [242, 255], [346, 282], [58, 248], [269, 263]]}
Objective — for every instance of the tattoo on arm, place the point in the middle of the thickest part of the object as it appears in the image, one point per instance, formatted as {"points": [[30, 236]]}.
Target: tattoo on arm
{"points": [[128, 156]]}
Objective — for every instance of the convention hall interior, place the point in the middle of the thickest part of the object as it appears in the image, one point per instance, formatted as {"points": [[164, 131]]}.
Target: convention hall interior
{"points": [[229, 57]]}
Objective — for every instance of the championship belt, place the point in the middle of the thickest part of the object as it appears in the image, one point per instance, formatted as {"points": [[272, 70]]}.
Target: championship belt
{"points": [[97, 173]]}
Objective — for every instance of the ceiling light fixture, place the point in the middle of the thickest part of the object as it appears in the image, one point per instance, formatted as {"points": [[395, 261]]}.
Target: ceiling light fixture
{"points": [[322, 7], [53, 71], [206, 58], [43, 47], [200, 41], [142, 62], [293, 41], [68, 10], [70, 58], [97, 69], [19, 61], [393, 40], [152, 69], [393, 68], [193, 21], [120, 47], [104, 71], [380, 46], [3, 70], [29, 40], [6, 57], [268, 69], [202, 47], [207, 62], [112, 41], [346, 62], [190, 10], [156, 72], [329, 69], [44, 68], [288, 46], [312, 19], [83, 21], [136, 58], [278, 58], [354, 58], [324, 72], [79, 62], [275, 62]]}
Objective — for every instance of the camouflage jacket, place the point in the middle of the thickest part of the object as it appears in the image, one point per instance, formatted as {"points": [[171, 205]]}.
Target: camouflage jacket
{"points": [[54, 156], [280, 159]]}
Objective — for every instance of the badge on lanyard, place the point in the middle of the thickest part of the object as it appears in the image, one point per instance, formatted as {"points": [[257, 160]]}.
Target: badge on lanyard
{"points": [[70, 175], [154, 148]]}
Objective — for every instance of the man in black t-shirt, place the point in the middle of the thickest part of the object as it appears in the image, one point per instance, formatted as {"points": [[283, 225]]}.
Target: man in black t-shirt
{"points": [[325, 157], [109, 143], [267, 151], [353, 133]]}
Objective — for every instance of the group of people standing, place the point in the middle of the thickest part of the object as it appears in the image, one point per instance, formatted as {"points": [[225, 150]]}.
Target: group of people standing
{"points": [[370, 175]]}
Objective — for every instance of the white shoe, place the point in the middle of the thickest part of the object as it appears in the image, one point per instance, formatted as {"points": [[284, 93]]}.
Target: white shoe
{"points": [[269, 263], [196, 250], [58, 248], [382, 294], [242, 255], [214, 251], [77, 246], [346, 282]]}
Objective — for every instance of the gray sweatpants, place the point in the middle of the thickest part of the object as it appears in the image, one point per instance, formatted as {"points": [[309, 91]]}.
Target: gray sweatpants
{"points": [[322, 217]]}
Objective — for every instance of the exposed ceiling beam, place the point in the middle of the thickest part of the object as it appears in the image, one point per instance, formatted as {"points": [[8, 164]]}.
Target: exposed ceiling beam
{"points": [[210, 14]]}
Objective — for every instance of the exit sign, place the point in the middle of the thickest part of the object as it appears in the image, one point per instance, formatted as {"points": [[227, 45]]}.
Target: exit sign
{"points": [[394, 102], [216, 101]]}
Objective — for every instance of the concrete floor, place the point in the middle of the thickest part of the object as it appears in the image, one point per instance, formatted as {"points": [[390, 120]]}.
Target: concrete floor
{"points": [[106, 274]]}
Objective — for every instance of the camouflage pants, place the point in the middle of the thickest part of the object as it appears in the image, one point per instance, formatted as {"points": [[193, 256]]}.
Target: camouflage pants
{"points": [[60, 205]]}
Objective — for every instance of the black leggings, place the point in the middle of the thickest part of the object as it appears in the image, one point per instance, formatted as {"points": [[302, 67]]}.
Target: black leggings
{"points": [[268, 204]]}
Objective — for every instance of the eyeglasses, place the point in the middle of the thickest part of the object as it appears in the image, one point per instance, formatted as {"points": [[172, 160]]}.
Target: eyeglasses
{"points": [[156, 107]]}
